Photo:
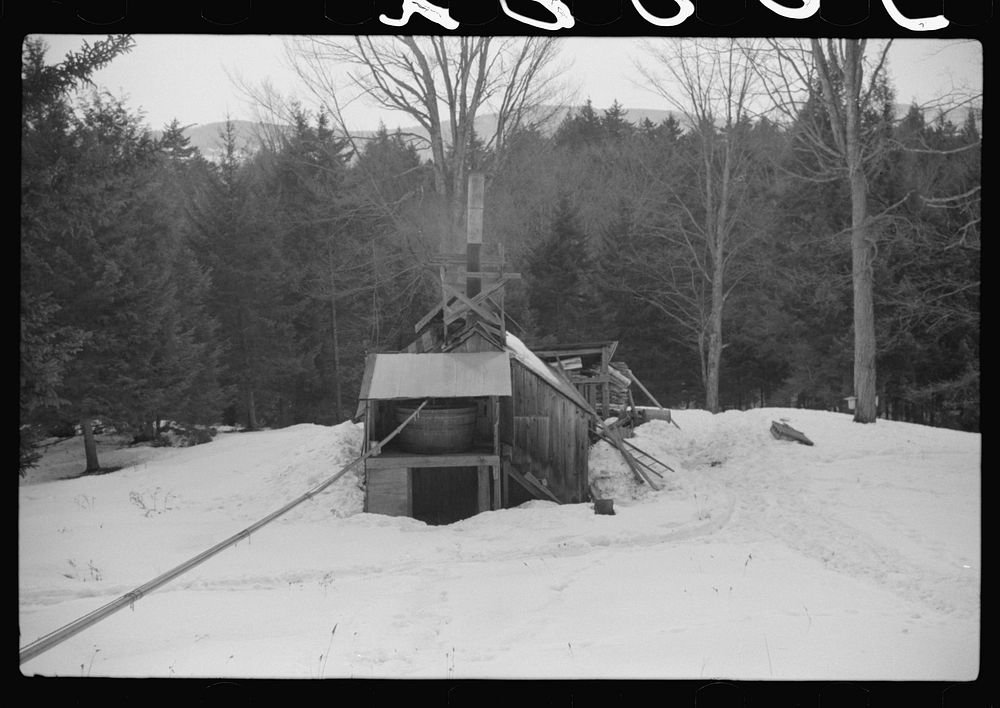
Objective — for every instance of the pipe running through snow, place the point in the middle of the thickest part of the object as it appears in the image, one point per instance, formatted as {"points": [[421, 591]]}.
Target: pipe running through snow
{"points": [[60, 635]]}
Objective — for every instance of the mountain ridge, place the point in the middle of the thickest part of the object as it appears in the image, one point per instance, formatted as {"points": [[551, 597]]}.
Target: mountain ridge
{"points": [[207, 137]]}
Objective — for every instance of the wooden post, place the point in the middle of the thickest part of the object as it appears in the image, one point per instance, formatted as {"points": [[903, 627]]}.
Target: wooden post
{"points": [[483, 488], [503, 314], [444, 307], [605, 387], [89, 445], [495, 471]]}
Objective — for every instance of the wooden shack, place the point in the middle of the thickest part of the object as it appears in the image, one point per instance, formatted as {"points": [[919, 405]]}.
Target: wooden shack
{"points": [[526, 426], [445, 465], [529, 435]]}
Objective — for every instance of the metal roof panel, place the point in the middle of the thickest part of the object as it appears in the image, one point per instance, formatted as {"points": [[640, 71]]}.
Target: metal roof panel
{"points": [[429, 375]]}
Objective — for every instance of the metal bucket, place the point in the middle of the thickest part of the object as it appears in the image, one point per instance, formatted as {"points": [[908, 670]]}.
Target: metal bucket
{"points": [[442, 426], [604, 506]]}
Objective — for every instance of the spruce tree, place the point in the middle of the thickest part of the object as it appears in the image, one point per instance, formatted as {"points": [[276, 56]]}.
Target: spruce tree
{"points": [[559, 269]]}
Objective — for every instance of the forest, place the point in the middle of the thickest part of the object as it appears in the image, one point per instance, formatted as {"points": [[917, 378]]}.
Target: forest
{"points": [[725, 247]]}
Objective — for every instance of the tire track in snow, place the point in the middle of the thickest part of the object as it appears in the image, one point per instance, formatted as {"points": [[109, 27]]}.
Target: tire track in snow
{"points": [[774, 504]]}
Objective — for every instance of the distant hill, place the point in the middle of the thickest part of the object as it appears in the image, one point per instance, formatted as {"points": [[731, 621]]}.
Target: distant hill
{"points": [[207, 137], [249, 134]]}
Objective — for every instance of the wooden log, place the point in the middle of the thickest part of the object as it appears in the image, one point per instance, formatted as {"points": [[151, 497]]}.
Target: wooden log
{"points": [[571, 363], [782, 431], [619, 378], [656, 414], [642, 388]]}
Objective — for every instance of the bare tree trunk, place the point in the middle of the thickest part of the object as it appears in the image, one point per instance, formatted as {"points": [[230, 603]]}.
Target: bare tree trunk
{"points": [[89, 445], [864, 309], [441, 80], [251, 410], [247, 370], [703, 361], [715, 340], [710, 82], [862, 255]]}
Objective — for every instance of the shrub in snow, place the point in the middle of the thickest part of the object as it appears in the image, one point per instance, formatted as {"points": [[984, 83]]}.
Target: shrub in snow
{"points": [[174, 434], [62, 429]]}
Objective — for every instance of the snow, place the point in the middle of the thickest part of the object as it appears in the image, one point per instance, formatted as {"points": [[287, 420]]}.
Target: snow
{"points": [[856, 559], [527, 357]]}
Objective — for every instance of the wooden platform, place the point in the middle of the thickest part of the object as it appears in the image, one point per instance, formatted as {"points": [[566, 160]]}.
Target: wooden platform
{"points": [[390, 459]]}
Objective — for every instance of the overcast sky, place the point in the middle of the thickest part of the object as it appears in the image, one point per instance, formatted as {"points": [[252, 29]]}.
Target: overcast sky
{"points": [[188, 76]]}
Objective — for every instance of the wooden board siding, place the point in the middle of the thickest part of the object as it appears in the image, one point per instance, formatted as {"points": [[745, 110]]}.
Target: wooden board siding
{"points": [[435, 495], [555, 451], [475, 343], [388, 491]]}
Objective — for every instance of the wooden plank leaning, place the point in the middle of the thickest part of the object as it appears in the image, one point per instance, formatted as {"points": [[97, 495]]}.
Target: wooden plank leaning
{"points": [[642, 388]]}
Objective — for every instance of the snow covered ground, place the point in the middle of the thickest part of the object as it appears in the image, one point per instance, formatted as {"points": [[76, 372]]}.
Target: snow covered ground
{"points": [[856, 559]]}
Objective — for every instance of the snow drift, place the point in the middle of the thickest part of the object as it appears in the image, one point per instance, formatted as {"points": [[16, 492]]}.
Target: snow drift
{"points": [[858, 558]]}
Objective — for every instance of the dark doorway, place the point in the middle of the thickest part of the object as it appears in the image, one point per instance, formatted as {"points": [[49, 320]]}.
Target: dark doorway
{"points": [[444, 495]]}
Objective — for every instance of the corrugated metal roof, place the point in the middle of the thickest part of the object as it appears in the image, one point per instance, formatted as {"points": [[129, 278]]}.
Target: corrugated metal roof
{"points": [[436, 375]]}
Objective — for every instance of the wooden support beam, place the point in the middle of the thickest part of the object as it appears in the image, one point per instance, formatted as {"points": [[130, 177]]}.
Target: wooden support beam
{"points": [[392, 459], [425, 320], [615, 437], [642, 388], [531, 483], [483, 487], [546, 353], [458, 260], [469, 304], [444, 308]]}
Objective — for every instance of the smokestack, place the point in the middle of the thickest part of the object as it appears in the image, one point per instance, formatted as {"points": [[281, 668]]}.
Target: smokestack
{"points": [[474, 232]]}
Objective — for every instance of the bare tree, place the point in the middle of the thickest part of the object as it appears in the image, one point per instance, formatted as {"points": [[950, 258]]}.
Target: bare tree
{"points": [[707, 226], [444, 84], [842, 77]]}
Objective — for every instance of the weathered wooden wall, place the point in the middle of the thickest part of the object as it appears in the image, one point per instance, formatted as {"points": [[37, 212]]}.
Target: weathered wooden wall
{"points": [[546, 431], [549, 435], [389, 492]]}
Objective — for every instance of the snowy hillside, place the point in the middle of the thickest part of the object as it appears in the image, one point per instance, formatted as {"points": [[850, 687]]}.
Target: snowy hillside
{"points": [[858, 558]]}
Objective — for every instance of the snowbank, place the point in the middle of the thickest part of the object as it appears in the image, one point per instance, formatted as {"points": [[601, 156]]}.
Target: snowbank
{"points": [[858, 558]]}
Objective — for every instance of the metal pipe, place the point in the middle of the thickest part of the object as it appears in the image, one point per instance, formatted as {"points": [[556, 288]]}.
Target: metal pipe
{"points": [[60, 635]]}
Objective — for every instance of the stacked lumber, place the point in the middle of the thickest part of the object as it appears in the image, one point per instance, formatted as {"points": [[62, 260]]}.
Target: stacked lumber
{"points": [[618, 386], [573, 363]]}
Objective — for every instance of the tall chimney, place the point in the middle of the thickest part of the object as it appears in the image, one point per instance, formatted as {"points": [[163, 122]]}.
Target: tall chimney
{"points": [[474, 232]]}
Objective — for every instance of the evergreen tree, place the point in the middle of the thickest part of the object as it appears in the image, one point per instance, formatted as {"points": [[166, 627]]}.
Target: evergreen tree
{"points": [[614, 125], [235, 232], [50, 179], [559, 272], [580, 128], [104, 267]]}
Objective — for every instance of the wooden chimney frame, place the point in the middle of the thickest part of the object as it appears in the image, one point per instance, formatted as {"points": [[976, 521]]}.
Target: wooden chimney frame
{"points": [[472, 283]]}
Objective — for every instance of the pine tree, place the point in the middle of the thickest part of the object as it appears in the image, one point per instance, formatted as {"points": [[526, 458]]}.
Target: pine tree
{"points": [[580, 128], [236, 233], [50, 160], [559, 269], [613, 123], [106, 269]]}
